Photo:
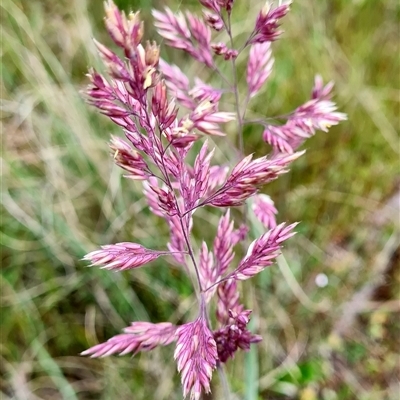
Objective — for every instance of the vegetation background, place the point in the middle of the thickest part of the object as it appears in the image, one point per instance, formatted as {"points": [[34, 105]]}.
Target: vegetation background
{"points": [[62, 197]]}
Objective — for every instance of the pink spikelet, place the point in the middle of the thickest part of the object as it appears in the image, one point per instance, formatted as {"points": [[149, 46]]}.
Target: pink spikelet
{"points": [[223, 246], [228, 299], [217, 5], [259, 67], [279, 137], [202, 35], [212, 5], [105, 97], [240, 234], [320, 91], [264, 209], [319, 113], [217, 177], [221, 49], [201, 175], [164, 111], [140, 336], [263, 251], [247, 176], [228, 5], [234, 335], [193, 36], [129, 159], [126, 32], [123, 256], [196, 357], [151, 196], [115, 66], [207, 119], [213, 20], [208, 272], [178, 84], [201, 99], [177, 243], [201, 91], [267, 23]]}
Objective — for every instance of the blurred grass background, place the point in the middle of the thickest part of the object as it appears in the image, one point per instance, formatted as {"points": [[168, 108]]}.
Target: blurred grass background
{"points": [[62, 197]]}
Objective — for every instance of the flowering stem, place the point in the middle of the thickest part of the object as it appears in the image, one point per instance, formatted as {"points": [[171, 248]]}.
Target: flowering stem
{"points": [[184, 229], [223, 77], [190, 251], [263, 121], [218, 282]]}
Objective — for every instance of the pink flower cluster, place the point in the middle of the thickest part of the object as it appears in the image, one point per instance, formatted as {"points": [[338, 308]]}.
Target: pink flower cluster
{"points": [[234, 335], [142, 95]]}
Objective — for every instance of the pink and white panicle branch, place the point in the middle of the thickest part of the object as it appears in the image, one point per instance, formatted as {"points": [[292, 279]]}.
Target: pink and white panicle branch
{"points": [[196, 356], [319, 113], [141, 95], [140, 336], [268, 22], [259, 67], [122, 256], [263, 251], [248, 176], [190, 34]]}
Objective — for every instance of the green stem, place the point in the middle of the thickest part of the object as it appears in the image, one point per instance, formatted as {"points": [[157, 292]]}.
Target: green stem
{"points": [[224, 381]]}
